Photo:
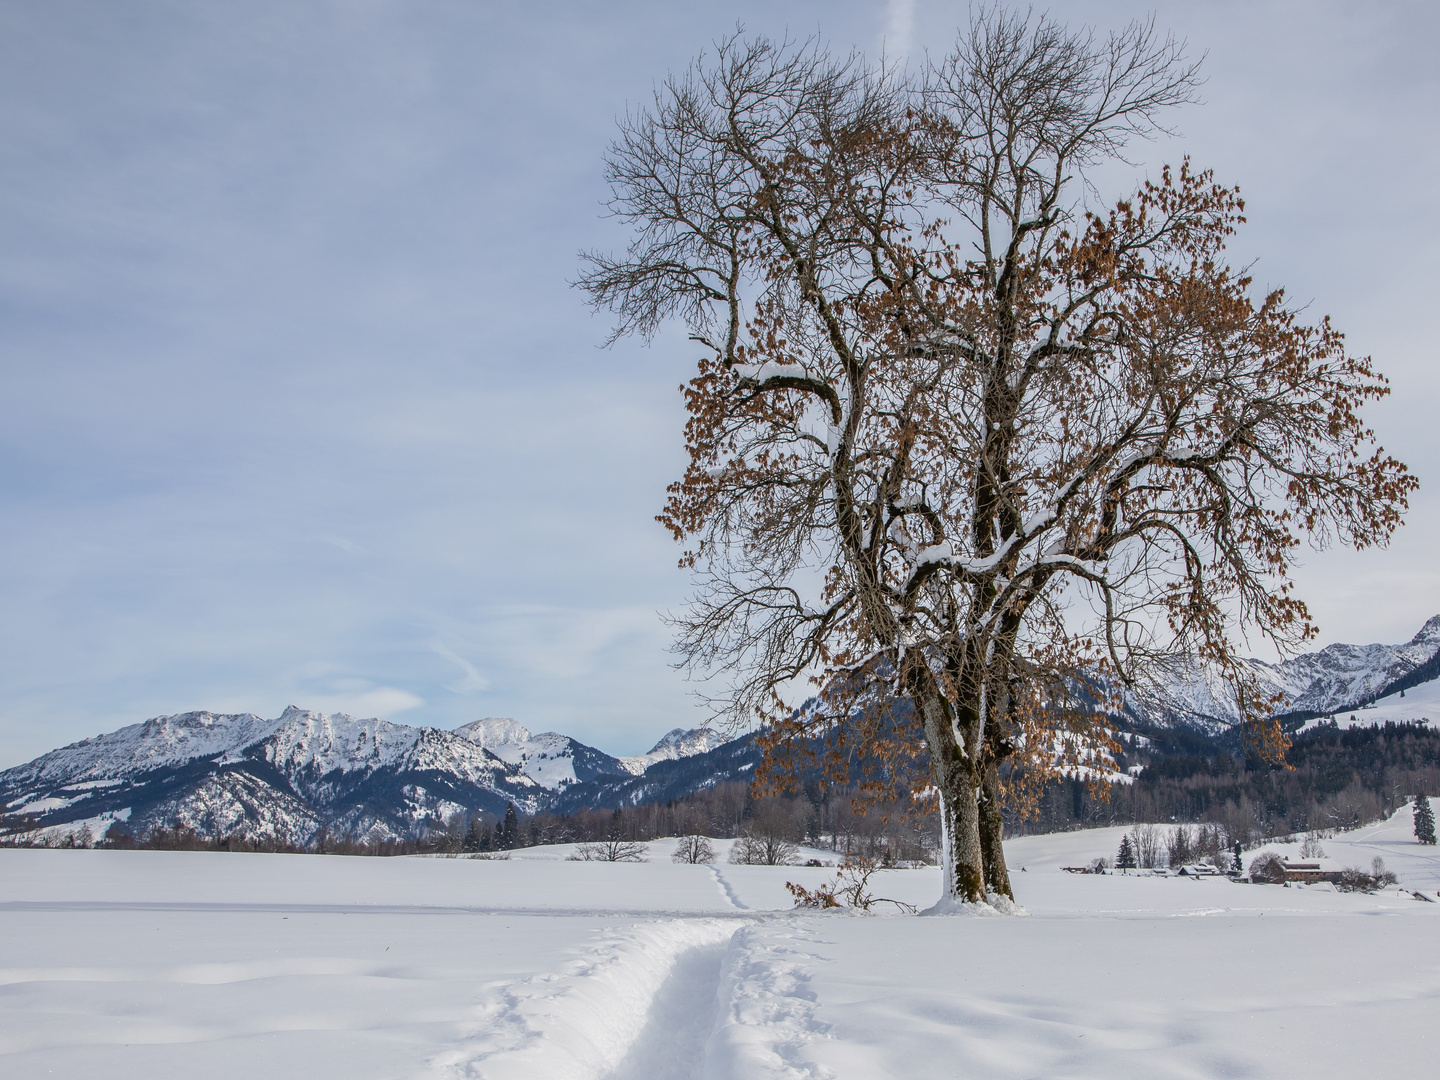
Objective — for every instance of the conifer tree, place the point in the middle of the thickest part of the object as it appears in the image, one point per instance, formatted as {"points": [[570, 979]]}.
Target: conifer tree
{"points": [[1125, 860], [1424, 820], [509, 830]]}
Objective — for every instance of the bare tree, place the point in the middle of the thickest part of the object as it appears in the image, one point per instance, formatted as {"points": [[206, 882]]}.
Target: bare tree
{"points": [[1147, 846], [693, 849], [611, 849], [956, 439], [768, 839]]}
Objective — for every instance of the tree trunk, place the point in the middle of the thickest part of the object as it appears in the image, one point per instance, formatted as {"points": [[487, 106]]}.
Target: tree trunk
{"points": [[998, 747], [992, 833], [957, 778]]}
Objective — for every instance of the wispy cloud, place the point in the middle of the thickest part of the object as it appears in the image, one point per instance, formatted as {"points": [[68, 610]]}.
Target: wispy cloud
{"points": [[899, 40], [382, 701], [470, 681], [343, 544]]}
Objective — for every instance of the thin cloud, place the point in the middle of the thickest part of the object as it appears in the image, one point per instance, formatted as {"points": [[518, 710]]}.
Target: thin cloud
{"points": [[899, 40], [382, 701], [470, 681]]}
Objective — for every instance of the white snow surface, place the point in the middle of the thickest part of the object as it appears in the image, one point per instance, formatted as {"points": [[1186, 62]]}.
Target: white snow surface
{"points": [[146, 964]]}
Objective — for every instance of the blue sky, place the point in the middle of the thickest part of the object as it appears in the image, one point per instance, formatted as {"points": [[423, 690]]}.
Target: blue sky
{"points": [[299, 408]]}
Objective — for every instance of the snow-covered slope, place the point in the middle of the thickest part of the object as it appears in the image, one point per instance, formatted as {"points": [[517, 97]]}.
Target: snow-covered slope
{"points": [[1417, 704], [677, 743]]}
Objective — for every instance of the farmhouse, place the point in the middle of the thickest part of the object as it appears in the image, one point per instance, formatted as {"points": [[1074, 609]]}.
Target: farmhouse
{"points": [[1308, 871]]}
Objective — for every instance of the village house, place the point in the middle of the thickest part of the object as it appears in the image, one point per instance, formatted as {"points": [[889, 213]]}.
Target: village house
{"points": [[1310, 870]]}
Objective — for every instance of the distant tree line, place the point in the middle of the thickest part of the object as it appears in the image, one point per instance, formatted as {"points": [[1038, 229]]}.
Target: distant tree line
{"points": [[1335, 779], [819, 816]]}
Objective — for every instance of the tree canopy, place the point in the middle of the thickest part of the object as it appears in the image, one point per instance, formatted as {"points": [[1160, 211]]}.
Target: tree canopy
{"points": [[960, 436]]}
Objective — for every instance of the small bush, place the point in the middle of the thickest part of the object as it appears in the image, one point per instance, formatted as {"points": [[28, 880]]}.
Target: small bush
{"points": [[851, 888], [1353, 879], [822, 896]]}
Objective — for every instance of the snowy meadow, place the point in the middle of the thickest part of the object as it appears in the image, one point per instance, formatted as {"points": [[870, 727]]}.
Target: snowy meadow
{"points": [[157, 964]]}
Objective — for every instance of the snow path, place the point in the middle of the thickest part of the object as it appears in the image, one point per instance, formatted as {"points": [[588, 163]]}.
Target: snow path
{"points": [[682, 1018], [585, 1021], [726, 890], [769, 1016]]}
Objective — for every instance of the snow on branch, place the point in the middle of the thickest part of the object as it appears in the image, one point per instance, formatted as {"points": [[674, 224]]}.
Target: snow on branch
{"points": [[774, 376]]}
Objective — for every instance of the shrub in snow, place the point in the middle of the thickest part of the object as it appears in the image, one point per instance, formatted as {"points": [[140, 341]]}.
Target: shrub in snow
{"points": [[1267, 867], [1353, 879], [822, 896], [851, 888], [1424, 820], [1311, 848], [609, 851], [694, 849]]}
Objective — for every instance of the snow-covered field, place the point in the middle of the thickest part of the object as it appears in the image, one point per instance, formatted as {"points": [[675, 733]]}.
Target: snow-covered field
{"points": [[161, 964]]}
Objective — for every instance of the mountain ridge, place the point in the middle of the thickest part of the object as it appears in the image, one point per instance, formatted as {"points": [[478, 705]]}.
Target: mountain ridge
{"points": [[241, 774], [1335, 678]]}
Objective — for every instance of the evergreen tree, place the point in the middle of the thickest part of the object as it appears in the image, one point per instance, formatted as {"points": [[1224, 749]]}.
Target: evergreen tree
{"points": [[1424, 820], [1239, 858], [509, 830], [1125, 860]]}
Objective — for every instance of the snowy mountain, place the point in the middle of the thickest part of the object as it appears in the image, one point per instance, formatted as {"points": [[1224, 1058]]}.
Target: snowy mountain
{"points": [[1335, 678], [677, 743], [287, 778], [552, 760], [284, 778], [666, 778]]}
